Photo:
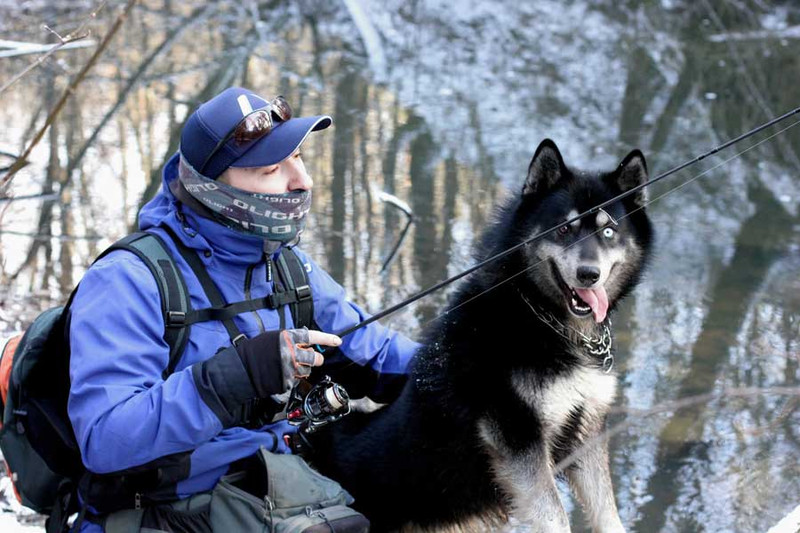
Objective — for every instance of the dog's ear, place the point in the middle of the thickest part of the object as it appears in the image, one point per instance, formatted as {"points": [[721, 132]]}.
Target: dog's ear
{"points": [[632, 171], [546, 169]]}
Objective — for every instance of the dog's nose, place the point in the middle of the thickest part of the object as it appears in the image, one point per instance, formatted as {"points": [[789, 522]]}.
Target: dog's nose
{"points": [[588, 274]]}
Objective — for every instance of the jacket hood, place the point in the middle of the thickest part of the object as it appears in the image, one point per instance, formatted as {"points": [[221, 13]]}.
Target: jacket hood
{"points": [[196, 231]]}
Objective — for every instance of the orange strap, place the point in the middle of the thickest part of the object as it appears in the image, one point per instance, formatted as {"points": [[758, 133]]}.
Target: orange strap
{"points": [[6, 362]]}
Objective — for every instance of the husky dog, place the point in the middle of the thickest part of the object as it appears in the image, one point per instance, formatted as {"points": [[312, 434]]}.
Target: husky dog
{"points": [[517, 376]]}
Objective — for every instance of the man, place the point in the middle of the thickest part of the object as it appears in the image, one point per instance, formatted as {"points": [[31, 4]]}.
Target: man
{"points": [[235, 194]]}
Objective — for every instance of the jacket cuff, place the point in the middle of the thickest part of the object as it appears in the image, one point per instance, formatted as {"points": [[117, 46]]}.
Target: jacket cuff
{"points": [[261, 357], [224, 385]]}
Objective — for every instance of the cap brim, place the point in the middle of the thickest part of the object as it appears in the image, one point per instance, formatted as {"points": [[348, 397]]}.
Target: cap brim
{"points": [[282, 141]]}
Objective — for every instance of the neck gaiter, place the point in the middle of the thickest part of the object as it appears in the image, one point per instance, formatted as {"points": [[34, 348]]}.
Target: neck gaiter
{"points": [[273, 217]]}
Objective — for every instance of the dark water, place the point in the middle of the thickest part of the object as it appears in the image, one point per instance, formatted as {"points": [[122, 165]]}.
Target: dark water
{"points": [[442, 104]]}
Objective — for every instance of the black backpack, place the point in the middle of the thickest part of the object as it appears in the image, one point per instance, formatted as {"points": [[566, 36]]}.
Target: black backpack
{"points": [[37, 441]]}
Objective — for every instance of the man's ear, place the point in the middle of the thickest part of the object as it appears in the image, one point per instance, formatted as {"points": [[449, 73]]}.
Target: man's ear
{"points": [[546, 169], [632, 171]]}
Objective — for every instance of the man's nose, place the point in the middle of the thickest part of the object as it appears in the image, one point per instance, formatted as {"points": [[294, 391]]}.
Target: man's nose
{"points": [[300, 179]]}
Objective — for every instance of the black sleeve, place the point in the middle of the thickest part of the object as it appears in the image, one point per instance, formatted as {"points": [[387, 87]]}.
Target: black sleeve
{"points": [[224, 385], [236, 375], [261, 357]]}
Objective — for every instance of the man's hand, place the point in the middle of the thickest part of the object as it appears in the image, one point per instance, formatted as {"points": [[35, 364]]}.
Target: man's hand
{"points": [[297, 356], [275, 360]]}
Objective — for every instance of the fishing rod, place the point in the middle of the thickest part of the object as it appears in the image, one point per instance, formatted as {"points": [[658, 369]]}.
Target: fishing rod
{"points": [[546, 232]]}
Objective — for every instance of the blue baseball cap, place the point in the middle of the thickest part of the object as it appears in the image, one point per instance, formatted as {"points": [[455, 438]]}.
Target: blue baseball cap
{"points": [[213, 120]]}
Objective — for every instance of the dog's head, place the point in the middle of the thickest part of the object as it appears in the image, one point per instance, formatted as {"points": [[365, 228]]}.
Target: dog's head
{"points": [[583, 268]]}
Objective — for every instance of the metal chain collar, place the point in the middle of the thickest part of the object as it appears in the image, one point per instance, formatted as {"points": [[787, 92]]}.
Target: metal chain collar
{"points": [[597, 346]]}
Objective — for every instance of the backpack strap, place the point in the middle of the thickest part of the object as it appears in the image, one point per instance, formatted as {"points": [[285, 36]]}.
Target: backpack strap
{"points": [[209, 287], [175, 300], [176, 304], [297, 290]]}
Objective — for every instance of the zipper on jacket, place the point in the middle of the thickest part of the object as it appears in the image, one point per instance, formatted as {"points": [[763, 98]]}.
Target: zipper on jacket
{"points": [[248, 278]]}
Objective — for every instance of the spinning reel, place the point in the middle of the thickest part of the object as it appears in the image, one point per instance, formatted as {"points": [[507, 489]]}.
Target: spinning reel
{"points": [[312, 406]]}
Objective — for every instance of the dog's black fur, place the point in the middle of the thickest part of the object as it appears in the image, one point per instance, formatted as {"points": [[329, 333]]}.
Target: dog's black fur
{"points": [[424, 459]]}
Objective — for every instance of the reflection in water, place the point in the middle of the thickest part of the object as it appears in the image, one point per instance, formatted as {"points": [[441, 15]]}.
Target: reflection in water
{"points": [[424, 156], [465, 93], [759, 245]]}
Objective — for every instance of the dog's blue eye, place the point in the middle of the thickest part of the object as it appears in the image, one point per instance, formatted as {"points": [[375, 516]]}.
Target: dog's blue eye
{"points": [[608, 233]]}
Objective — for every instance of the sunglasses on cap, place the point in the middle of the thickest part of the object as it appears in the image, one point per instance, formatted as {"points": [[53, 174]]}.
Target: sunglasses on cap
{"points": [[253, 125]]}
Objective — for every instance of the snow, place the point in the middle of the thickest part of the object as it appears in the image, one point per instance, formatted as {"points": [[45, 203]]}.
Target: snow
{"points": [[10, 524], [14, 518], [789, 524]]}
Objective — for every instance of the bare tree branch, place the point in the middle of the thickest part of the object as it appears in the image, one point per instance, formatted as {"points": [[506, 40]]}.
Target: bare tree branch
{"points": [[67, 93], [38, 196], [69, 39], [46, 237], [18, 49]]}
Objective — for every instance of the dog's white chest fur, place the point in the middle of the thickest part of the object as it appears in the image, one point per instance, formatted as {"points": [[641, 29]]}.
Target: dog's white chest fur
{"points": [[588, 389]]}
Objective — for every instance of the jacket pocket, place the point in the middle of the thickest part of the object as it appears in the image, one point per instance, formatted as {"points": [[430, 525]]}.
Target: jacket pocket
{"points": [[293, 485], [234, 509]]}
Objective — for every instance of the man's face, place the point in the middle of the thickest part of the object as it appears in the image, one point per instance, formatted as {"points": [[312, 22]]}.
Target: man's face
{"points": [[288, 175]]}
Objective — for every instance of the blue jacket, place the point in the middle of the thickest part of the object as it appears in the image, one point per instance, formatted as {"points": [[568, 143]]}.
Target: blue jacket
{"points": [[122, 411]]}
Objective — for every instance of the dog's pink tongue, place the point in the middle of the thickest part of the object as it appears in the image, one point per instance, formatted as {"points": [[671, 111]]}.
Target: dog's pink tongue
{"points": [[597, 300]]}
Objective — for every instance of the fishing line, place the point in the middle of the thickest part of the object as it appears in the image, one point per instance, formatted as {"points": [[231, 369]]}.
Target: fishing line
{"points": [[657, 198], [648, 203], [580, 216]]}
